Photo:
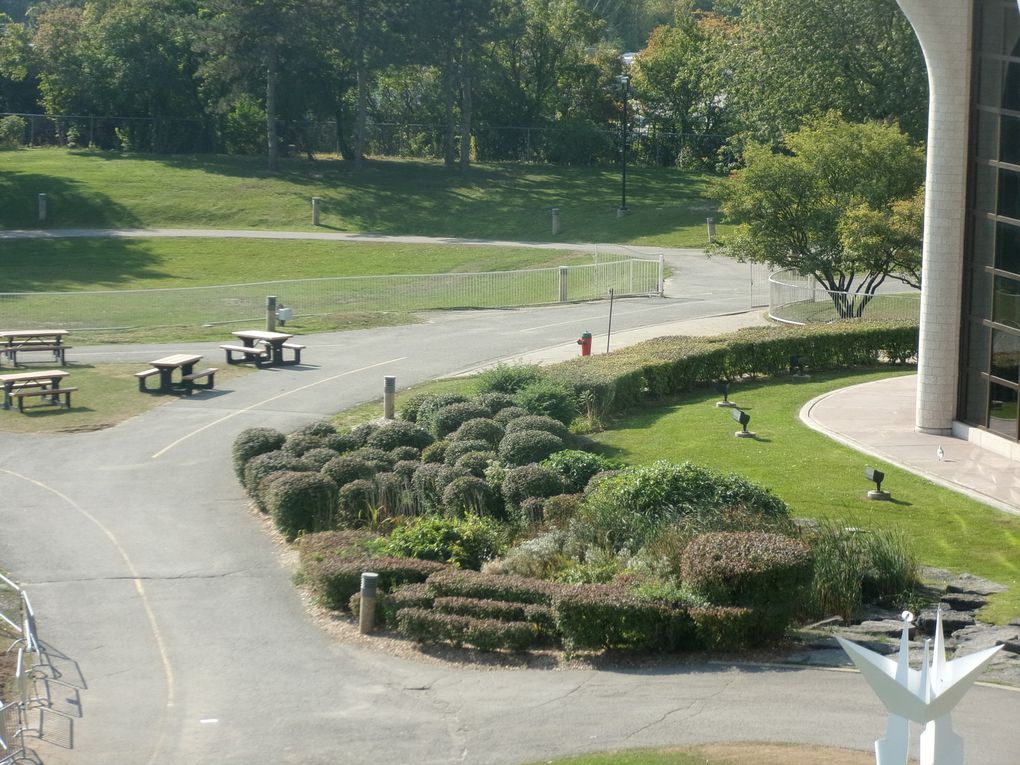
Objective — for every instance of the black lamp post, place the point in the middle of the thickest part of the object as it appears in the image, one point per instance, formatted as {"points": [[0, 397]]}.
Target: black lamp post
{"points": [[624, 81]]}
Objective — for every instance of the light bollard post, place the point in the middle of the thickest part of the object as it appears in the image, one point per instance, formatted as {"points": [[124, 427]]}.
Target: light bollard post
{"points": [[711, 229], [369, 591], [389, 394], [555, 221], [270, 313], [316, 205], [42, 207]]}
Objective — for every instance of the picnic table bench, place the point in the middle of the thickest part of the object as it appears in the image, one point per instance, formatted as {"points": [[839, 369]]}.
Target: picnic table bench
{"points": [[262, 347], [165, 368], [15, 341], [44, 383]]}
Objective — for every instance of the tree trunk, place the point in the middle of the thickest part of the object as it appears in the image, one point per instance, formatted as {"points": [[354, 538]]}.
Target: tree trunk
{"points": [[271, 136], [360, 119], [465, 110]]}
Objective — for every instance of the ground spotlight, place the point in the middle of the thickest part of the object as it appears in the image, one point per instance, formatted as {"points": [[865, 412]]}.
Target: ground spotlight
{"points": [[723, 386], [743, 418], [877, 476], [797, 364]]}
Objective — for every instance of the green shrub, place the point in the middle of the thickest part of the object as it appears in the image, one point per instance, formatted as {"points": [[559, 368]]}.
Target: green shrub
{"points": [[252, 442], [377, 458], [476, 462], [480, 429], [458, 449], [435, 452], [319, 428], [426, 626], [531, 510], [406, 469], [432, 404], [539, 558], [597, 617], [538, 422], [509, 414], [334, 580], [345, 468], [577, 467], [356, 500], [344, 543], [403, 454], [299, 443], [12, 130], [526, 446], [724, 628], [768, 573], [446, 420], [430, 481], [341, 442], [541, 616], [301, 502], [465, 542], [495, 402], [471, 584], [468, 495], [361, 433], [506, 378], [399, 433], [409, 409], [261, 466], [626, 508], [388, 603], [317, 458], [558, 510], [550, 398], [531, 481]]}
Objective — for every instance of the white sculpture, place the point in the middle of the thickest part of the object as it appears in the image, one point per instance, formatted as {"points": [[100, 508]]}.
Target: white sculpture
{"points": [[927, 696]]}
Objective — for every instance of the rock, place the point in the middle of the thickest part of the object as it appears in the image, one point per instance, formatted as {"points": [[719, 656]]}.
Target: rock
{"points": [[963, 601], [889, 627], [1009, 645], [968, 583], [951, 621]]}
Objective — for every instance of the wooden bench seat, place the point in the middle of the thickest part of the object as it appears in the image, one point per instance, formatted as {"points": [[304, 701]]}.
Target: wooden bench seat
{"points": [[296, 347], [22, 393], [57, 351], [189, 380], [258, 353], [142, 376]]}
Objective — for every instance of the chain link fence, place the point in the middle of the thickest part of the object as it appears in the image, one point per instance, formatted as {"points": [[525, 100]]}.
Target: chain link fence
{"points": [[799, 299], [224, 304]]}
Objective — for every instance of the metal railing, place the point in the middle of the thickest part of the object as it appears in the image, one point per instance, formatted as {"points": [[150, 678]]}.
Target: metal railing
{"points": [[798, 299], [224, 304]]}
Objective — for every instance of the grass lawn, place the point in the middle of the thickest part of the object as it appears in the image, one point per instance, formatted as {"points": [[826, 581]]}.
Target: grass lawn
{"points": [[893, 307], [99, 189], [820, 478], [724, 754], [107, 394]]}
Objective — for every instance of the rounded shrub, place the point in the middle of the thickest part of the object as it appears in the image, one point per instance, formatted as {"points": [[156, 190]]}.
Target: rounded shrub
{"points": [[252, 442], [550, 398], [510, 413], [468, 495], [341, 442], [429, 482], [402, 453], [532, 510], [560, 509], [458, 449], [465, 542], [446, 420], [399, 433], [261, 466], [434, 452], [507, 378], [297, 444], [344, 469], [525, 446], [768, 573], [432, 404], [405, 469], [409, 408], [390, 489], [361, 433], [301, 502], [354, 500], [320, 428], [480, 429], [538, 422], [379, 459], [530, 481], [317, 458], [577, 467], [495, 402], [476, 462]]}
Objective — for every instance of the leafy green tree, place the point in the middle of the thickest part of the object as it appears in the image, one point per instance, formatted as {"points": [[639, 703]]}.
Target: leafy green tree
{"points": [[790, 59], [15, 63], [839, 201]]}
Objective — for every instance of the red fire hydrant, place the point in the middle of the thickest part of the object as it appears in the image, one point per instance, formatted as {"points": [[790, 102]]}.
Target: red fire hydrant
{"points": [[585, 342]]}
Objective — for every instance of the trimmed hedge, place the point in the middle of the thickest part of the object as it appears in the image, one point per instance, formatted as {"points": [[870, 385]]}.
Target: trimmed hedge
{"points": [[538, 422], [480, 429], [335, 580], [388, 603], [596, 617], [260, 467], [457, 449], [396, 433], [252, 442], [469, 495], [470, 584], [724, 628], [541, 616], [525, 446], [465, 542], [300, 502], [345, 468], [426, 626], [528, 481], [448, 419]]}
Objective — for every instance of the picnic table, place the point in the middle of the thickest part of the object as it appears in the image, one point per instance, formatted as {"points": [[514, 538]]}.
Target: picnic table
{"points": [[262, 347], [15, 341], [165, 368], [43, 383]]}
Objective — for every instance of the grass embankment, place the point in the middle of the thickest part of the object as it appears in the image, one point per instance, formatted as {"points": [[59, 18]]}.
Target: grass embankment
{"points": [[724, 754], [820, 478], [99, 189]]}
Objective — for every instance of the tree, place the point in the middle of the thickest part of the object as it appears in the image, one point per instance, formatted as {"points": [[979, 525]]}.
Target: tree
{"points": [[790, 59], [839, 201]]}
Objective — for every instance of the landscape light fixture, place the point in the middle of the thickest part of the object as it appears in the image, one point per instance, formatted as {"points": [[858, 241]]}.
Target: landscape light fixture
{"points": [[877, 476], [743, 418], [723, 386], [797, 363]]}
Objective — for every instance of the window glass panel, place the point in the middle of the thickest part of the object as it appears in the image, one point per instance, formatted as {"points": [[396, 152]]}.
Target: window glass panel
{"points": [[1005, 356], [1011, 93], [976, 398], [985, 188], [1007, 248], [1009, 149], [982, 241], [991, 29], [1007, 302], [1002, 410], [980, 294], [990, 82], [979, 346], [987, 145], [1009, 194]]}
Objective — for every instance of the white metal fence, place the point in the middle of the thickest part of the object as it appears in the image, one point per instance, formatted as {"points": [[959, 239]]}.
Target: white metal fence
{"points": [[223, 304], [799, 299]]}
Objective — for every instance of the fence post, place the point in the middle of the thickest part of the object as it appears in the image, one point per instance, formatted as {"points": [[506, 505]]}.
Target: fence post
{"points": [[389, 393], [555, 221], [316, 202], [662, 275], [711, 229], [42, 207], [564, 273], [270, 313], [369, 589]]}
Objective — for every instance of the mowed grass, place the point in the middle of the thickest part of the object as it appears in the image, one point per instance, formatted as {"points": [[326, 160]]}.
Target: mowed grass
{"points": [[98, 189], [822, 479]]}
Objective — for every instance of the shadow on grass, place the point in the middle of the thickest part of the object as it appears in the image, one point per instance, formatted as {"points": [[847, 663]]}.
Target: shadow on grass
{"points": [[74, 202]]}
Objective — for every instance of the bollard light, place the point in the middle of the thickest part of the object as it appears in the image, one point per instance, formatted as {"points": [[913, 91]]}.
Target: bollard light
{"points": [[723, 386], [743, 418], [797, 364], [369, 591], [877, 476]]}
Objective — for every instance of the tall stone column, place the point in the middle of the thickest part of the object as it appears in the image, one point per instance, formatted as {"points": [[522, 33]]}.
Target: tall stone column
{"points": [[944, 29]]}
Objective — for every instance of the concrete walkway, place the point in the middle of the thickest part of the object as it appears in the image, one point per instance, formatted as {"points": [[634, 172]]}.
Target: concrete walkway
{"points": [[877, 418]]}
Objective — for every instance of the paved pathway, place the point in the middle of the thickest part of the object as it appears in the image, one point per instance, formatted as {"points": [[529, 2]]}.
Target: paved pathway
{"points": [[150, 573]]}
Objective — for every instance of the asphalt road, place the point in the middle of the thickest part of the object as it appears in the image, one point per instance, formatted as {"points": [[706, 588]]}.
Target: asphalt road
{"points": [[151, 575]]}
